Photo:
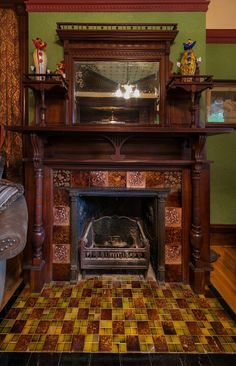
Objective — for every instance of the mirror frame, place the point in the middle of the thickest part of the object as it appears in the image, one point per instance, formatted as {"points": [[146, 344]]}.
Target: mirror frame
{"points": [[117, 42]]}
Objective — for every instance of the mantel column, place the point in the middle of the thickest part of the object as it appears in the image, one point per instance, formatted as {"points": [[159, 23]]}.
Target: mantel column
{"points": [[161, 236], [197, 265], [37, 268]]}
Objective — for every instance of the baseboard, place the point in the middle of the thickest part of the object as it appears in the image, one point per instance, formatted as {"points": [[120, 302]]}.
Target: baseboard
{"points": [[223, 235]]}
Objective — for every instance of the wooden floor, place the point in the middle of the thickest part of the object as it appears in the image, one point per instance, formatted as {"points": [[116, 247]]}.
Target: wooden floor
{"points": [[223, 276]]}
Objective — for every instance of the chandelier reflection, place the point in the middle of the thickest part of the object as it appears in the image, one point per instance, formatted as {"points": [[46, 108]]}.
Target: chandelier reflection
{"points": [[127, 91]]}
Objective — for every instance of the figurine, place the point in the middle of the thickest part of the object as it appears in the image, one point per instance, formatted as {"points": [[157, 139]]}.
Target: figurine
{"points": [[189, 60], [61, 68], [39, 56]]}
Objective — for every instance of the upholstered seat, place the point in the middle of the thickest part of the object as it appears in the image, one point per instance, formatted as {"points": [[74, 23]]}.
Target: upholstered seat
{"points": [[13, 224]]}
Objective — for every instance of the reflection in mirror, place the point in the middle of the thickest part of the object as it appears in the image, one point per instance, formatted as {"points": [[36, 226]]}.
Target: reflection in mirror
{"points": [[116, 92]]}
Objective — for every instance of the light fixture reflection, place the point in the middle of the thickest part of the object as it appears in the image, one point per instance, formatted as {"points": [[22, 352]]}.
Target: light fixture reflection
{"points": [[127, 91]]}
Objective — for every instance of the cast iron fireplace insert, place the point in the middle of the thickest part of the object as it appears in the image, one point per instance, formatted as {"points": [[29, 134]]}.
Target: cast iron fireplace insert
{"points": [[116, 211]]}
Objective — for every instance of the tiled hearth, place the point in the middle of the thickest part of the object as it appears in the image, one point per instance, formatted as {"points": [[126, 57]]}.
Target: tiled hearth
{"points": [[66, 179], [126, 314]]}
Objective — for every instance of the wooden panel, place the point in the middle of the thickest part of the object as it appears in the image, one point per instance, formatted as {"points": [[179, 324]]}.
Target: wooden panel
{"points": [[223, 276]]}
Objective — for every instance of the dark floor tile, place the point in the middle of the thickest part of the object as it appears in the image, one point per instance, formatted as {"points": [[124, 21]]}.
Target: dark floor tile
{"points": [[75, 359], [195, 360], [135, 359], [105, 359], [165, 359], [14, 358], [222, 359], [42, 359]]}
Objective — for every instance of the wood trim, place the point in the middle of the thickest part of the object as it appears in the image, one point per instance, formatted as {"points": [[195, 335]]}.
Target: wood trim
{"points": [[221, 36], [120, 6], [223, 235]]}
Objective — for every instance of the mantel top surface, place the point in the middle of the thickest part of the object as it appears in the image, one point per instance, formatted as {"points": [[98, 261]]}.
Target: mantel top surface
{"points": [[116, 128]]}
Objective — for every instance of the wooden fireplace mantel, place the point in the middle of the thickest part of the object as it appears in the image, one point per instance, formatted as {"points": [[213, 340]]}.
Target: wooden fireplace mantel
{"points": [[58, 138]]}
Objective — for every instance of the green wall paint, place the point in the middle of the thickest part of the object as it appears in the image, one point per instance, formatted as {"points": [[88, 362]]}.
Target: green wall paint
{"points": [[221, 60], [190, 25], [222, 149]]}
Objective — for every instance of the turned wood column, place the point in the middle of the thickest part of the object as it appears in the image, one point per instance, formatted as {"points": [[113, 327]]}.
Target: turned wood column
{"points": [[37, 278], [197, 267]]}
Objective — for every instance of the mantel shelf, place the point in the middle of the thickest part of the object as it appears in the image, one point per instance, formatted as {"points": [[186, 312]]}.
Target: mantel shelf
{"points": [[45, 82], [191, 83], [121, 129]]}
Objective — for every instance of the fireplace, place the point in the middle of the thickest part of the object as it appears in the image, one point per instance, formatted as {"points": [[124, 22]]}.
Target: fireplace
{"points": [[114, 242], [115, 230]]}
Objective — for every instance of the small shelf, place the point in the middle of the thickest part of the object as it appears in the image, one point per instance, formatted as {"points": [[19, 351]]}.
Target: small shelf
{"points": [[46, 82], [191, 83]]}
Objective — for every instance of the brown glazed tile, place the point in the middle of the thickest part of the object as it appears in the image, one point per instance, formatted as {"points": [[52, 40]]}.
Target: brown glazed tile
{"points": [[168, 328], [23, 343], [172, 179], [118, 327], [68, 327], [193, 328], [77, 344], [46, 292], [174, 199], [187, 343], [97, 283], [87, 292], [31, 301], [167, 293], [50, 343], [61, 234], [80, 179], [127, 292], [136, 180], [117, 179], [214, 344], [105, 343], [83, 314], [173, 235], [129, 314], [74, 303], [93, 327], [143, 327], [160, 344], [13, 313], [154, 179], [117, 302], [173, 254], [36, 314], [42, 327], [138, 302], [161, 303], [67, 291], [61, 178], [147, 292], [59, 314], [51, 303], [152, 314], [61, 272], [182, 303], [221, 314], [60, 197], [135, 284], [61, 253], [173, 216], [176, 314], [203, 303], [95, 302], [173, 272], [132, 343], [61, 215], [107, 292], [199, 314], [106, 314], [99, 178], [218, 328]]}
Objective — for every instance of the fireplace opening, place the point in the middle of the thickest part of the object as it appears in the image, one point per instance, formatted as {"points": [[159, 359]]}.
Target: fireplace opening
{"points": [[117, 231]]}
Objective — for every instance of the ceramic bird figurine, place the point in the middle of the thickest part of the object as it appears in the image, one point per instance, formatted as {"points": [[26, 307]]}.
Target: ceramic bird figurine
{"points": [[189, 60]]}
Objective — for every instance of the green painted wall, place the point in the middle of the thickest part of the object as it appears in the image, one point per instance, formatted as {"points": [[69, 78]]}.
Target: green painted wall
{"points": [[221, 149], [190, 25]]}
